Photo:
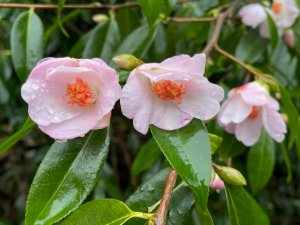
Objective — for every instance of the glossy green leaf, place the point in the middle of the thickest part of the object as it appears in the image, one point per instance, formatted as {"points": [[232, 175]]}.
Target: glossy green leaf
{"points": [[188, 151], [77, 49], [287, 162], [9, 142], [292, 113], [181, 206], [243, 209], [145, 157], [103, 40], [149, 192], [230, 147], [65, 177], [260, 162], [138, 42], [102, 212], [215, 142], [272, 31], [251, 48], [155, 9], [26, 42], [204, 215]]}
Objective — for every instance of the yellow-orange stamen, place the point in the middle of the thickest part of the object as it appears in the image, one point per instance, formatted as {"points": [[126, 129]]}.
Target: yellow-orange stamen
{"points": [[276, 7], [79, 93], [168, 90], [254, 113]]}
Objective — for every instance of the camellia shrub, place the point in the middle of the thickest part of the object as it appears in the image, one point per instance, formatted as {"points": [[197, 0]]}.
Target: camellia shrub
{"points": [[149, 112]]}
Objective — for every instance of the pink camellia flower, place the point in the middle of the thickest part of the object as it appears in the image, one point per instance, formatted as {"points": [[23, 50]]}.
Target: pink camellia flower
{"points": [[283, 12], [217, 183], [170, 94], [69, 97], [247, 110]]}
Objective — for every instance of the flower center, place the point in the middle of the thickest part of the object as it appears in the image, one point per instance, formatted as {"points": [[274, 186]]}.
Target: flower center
{"points": [[168, 90], [79, 93], [276, 7], [254, 113]]}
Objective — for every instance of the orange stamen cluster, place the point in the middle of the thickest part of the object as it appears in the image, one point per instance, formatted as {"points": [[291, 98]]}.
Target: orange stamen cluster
{"points": [[254, 113], [168, 90], [79, 93], [276, 7]]}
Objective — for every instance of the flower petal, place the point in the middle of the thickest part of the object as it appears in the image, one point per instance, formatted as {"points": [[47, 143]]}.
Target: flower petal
{"points": [[254, 94], [273, 123], [234, 110], [252, 15], [201, 99], [248, 131]]}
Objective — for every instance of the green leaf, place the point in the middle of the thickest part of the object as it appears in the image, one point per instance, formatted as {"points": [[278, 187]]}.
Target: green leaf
{"points": [[78, 48], [272, 30], [145, 157], [156, 9], [59, 10], [204, 215], [9, 142], [250, 48], [103, 40], [287, 162], [243, 209], [188, 151], [26, 43], [230, 147], [149, 192], [4, 94], [181, 206], [138, 42], [292, 113], [103, 212], [260, 162], [215, 142], [65, 177]]}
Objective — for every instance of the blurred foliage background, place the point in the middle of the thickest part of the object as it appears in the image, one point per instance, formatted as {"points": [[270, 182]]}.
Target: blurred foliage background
{"points": [[120, 178]]}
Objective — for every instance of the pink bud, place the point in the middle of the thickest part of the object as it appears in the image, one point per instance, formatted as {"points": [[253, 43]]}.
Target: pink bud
{"points": [[289, 38], [217, 183]]}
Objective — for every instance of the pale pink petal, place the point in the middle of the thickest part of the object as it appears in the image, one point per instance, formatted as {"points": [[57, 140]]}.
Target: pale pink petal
{"points": [[273, 123], [46, 65], [264, 29], [254, 94], [230, 128], [252, 14], [217, 183], [194, 65], [46, 102], [234, 110], [72, 128], [168, 116], [248, 132], [104, 122], [201, 99], [288, 14]]}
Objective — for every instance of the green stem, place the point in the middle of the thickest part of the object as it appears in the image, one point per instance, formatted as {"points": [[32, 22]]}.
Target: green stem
{"points": [[142, 215]]}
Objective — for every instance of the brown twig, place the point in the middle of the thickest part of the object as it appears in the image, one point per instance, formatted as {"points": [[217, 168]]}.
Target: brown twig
{"points": [[69, 6], [193, 19], [218, 28], [161, 214], [234, 59]]}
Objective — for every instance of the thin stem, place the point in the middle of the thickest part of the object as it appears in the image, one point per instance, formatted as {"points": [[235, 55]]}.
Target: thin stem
{"points": [[69, 6], [242, 64], [142, 215], [151, 208], [161, 214], [193, 19], [218, 28]]}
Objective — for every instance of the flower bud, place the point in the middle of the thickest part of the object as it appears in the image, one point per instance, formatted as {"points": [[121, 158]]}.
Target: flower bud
{"points": [[289, 38], [100, 18], [127, 62], [230, 175]]}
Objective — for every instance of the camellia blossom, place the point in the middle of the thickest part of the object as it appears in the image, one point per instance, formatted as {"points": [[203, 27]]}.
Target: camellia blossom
{"points": [[247, 110], [283, 12], [169, 94], [69, 97], [217, 183]]}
